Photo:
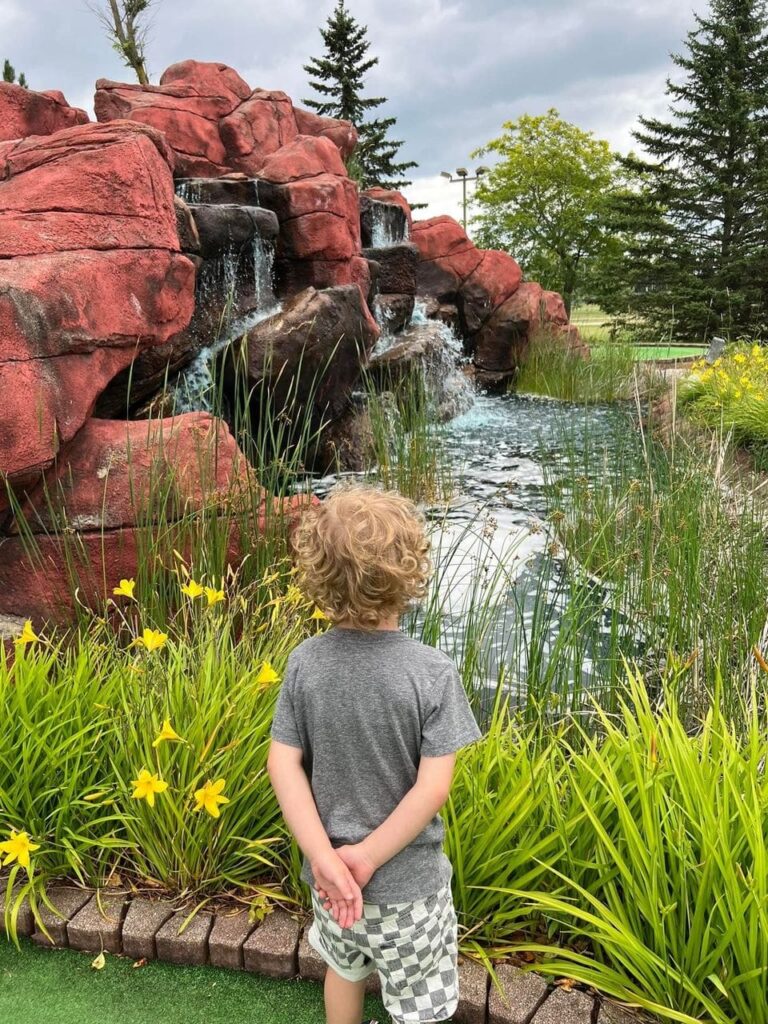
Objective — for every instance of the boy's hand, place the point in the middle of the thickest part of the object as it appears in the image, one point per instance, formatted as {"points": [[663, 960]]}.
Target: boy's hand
{"points": [[336, 882], [358, 862]]}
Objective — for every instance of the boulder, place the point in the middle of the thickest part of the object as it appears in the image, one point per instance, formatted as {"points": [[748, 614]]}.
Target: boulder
{"points": [[342, 134], [25, 112], [398, 268], [394, 311], [112, 470], [309, 355], [68, 324], [495, 279], [92, 274], [221, 227], [258, 127], [85, 188], [501, 343], [306, 156]]}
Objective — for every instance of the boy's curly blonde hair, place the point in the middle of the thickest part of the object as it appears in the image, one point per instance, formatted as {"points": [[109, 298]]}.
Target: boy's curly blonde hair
{"points": [[362, 555]]}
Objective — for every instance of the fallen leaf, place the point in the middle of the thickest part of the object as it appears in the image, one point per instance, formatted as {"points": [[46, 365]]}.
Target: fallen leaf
{"points": [[140, 963], [99, 963], [566, 983]]}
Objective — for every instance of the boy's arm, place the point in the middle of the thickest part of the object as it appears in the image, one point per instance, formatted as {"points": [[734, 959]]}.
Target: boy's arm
{"points": [[294, 794], [411, 816]]}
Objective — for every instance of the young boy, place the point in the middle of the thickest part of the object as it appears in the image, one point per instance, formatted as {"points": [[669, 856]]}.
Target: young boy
{"points": [[364, 742]]}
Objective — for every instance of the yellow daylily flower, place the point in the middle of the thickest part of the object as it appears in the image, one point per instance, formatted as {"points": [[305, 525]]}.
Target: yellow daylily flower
{"points": [[214, 596], [319, 615], [210, 796], [18, 847], [27, 635], [293, 594], [166, 733], [193, 589], [125, 589], [151, 640], [146, 786], [267, 675]]}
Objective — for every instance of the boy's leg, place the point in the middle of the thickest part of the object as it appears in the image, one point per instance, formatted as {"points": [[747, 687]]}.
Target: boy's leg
{"points": [[343, 999]]}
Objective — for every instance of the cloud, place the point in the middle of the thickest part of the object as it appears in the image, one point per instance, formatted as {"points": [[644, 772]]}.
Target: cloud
{"points": [[453, 70]]}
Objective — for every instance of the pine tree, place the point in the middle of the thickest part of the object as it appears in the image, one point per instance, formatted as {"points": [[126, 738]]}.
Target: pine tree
{"points": [[697, 255], [9, 75], [339, 78]]}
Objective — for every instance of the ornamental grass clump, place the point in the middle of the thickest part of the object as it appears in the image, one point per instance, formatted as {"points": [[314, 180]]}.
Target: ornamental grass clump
{"points": [[555, 371], [731, 395]]}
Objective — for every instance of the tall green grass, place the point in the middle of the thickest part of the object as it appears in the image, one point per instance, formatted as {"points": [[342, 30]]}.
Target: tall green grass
{"points": [[552, 370]]}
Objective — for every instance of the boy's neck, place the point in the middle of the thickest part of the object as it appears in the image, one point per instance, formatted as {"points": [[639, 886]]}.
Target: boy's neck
{"points": [[391, 622]]}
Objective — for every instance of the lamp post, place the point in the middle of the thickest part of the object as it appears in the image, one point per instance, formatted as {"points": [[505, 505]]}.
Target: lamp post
{"points": [[463, 176]]}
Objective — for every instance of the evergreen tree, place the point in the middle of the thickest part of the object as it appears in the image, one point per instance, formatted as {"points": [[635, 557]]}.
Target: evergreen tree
{"points": [[696, 254], [339, 78], [9, 75]]}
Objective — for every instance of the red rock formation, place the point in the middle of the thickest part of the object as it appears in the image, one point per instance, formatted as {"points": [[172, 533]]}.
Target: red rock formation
{"points": [[92, 274], [25, 112], [385, 195], [498, 314], [214, 121]]}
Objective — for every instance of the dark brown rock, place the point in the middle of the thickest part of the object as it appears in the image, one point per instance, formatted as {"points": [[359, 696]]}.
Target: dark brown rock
{"points": [[225, 226], [473, 993], [563, 1007], [311, 964], [399, 265], [521, 992], [67, 901], [227, 938], [347, 443], [502, 342], [382, 223], [189, 946], [143, 921], [394, 312], [97, 926], [189, 240], [273, 948], [310, 352]]}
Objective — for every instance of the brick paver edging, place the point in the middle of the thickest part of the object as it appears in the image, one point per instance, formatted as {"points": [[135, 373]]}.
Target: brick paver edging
{"points": [[116, 922]]}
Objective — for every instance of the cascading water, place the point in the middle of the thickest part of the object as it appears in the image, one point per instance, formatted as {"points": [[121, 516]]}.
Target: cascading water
{"points": [[388, 228], [194, 388]]}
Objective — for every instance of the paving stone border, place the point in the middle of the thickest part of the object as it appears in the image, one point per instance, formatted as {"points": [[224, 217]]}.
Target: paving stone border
{"points": [[118, 922]]}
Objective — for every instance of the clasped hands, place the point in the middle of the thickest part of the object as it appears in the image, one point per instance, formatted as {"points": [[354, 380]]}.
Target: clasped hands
{"points": [[340, 877]]}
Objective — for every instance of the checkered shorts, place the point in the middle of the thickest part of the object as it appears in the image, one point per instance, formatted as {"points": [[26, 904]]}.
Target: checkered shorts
{"points": [[413, 946]]}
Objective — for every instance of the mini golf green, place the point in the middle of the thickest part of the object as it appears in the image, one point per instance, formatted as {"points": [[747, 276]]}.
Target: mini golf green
{"points": [[649, 352], [40, 986]]}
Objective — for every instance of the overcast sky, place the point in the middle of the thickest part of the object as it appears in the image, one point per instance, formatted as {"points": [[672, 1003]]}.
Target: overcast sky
{"points": [[453, 70]]}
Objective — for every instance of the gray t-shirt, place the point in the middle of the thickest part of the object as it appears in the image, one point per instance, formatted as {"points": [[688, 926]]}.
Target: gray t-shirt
{"points": [[364, 707]]}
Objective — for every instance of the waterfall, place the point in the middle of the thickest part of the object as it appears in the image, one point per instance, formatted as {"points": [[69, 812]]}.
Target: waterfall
{"points": [[190, 190], [388, 226], [194, 389]]}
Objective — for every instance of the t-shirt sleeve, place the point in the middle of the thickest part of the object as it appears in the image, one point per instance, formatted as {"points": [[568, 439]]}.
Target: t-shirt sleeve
{"points": [[285, 727], [450, 724]]}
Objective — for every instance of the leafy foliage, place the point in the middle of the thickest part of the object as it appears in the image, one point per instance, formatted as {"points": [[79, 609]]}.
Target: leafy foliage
{"points": [[339, 78], [547, 198]]}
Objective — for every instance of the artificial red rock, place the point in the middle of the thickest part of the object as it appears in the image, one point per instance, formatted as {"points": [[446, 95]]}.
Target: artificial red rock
{"points": [[440, 237], [495, 279], [553, 309], [68, 324], [108, 475], [259, 126], [57, 194], [501, 343], [187, 106], [305, 157], [26, 112], [447, 256], [342, 134]]}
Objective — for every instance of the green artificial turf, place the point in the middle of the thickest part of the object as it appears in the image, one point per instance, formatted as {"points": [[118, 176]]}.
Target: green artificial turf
{"points": [[40, 986]]}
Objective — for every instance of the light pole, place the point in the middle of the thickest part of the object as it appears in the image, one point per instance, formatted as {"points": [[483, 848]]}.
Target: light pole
{"points": [[463, 177]]}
